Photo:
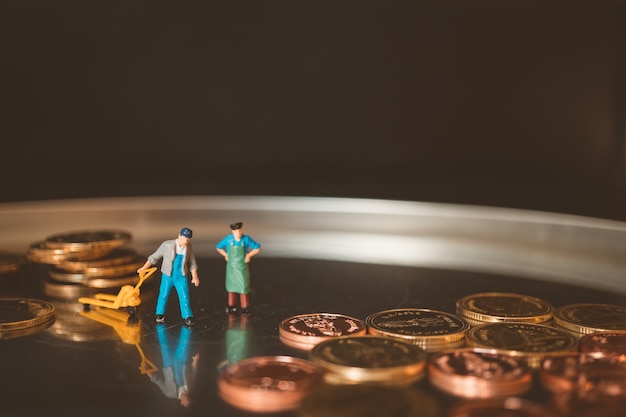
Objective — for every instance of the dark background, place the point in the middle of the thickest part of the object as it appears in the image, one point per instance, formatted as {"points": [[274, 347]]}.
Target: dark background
{"points": [[512, 104]]}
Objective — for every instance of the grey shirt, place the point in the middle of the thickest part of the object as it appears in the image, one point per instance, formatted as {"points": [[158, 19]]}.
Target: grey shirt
{"points": [[167, 252]]}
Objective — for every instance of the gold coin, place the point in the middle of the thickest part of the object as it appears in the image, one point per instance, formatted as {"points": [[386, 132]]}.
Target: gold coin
{"points": [[40, 252], [368, 400], [528, 340], [11, 262], [590, 318], [306, 330], [65, 290], [88, 240], [20, 313], [429, 329], [118, 256], [501, 306], [369, 359], [479, 373]]}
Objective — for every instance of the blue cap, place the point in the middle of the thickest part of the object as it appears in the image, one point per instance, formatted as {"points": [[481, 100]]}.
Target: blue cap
{"points": [[185, 231]]}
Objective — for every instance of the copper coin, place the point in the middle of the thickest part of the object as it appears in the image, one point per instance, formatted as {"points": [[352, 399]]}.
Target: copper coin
{"points": [[604, 344], [479, 373], [306, 330], [268, 383]]}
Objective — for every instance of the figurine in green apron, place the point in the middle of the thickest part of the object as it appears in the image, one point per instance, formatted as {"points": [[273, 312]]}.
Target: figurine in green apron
{"points": [[237, 249]]}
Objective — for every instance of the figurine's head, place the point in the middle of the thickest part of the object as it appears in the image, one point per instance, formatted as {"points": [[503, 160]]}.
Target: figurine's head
{"points": [[236, 228], [184, 236]]}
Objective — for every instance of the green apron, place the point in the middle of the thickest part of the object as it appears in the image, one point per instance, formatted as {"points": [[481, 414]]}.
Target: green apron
{"points": [[237, 273]]}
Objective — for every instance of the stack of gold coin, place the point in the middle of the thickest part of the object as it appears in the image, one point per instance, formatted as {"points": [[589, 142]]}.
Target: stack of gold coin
{"points": [[479, 373], [494, 307], [82, 245], [586, 318], [23, 316], [307, 330], [268, 384], [369, 359], [431, 330], [533, 342]]}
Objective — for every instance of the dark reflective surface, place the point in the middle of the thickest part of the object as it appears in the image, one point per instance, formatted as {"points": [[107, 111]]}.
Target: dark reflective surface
{"points": [[99, 363]]}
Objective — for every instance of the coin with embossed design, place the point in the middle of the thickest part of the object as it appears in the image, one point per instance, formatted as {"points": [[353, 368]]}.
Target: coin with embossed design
{"points": [[500, 306], [588, 318], [17, 314], [478, 373], [429, 329], [306, 330], [369, 359], [528, 340]]}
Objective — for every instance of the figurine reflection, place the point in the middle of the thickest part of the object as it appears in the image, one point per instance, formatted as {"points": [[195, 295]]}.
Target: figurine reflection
{"points": [[235, 340], [179, 369]]}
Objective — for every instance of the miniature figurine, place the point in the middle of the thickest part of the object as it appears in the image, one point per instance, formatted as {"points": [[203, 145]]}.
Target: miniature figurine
{"points": [[237, 249], [178, 260]]}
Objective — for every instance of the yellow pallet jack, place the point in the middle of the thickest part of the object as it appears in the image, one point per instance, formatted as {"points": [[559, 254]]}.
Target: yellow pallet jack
{"points": [[127, 297]]}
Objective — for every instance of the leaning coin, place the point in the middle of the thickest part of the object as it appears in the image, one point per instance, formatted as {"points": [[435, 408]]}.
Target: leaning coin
{"points": [[306, 330], [368, 400], [88, 239], [589, 318], [267, 384], [509, 407], [501, 306], [429, 329], [604, 344], [20, 313], [369, 359], [528, 340], [11, 262], [478, 373]]}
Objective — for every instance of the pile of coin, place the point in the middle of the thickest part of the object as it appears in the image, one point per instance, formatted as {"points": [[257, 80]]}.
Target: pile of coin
{"points": [[81, 261]]}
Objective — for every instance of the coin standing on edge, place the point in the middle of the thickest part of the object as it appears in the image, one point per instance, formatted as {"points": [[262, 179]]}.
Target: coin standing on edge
{"points": [[478, 373], [306, 330], [369, 359], [531, 341], [590, 318], [506, 307], [268, 383], [431, 330]]}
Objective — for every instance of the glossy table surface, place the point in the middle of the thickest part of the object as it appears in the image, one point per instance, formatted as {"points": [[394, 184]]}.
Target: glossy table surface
{"points": [[347, 256]]}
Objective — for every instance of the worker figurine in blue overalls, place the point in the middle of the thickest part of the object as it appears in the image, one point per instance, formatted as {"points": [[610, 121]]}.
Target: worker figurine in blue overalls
{"points": [[237, 249], [178, 261]]}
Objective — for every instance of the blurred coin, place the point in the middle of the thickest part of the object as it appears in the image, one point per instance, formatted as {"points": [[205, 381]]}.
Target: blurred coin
{"points": [[508, 407], [528, 340], [306, 330], [65, 290], [75, 241], [583, 375], [118, 256], [268, 383], [429, 329], [11, 262], [479, 373], [39, 252], [604, 344], [20, 313], [368, 400], [501, 306], [589, 318], [369, 359], [114, 271]]}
